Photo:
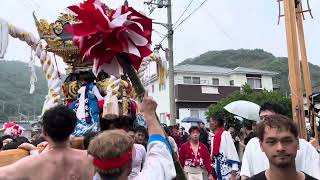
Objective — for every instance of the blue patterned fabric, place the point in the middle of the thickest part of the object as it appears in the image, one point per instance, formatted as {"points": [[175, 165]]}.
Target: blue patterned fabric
{"points": [[223, 167], [83, 125], [139, 121]]}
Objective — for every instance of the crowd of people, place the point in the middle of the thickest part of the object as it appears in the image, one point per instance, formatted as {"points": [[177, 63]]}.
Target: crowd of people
{"points": [[270, 149]]}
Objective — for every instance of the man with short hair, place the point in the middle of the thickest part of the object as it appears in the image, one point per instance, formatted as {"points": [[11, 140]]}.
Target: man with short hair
{"points": [[279, 140], [60, 161], [140, 135], [138, 157], [223, 151], [130, 132], [248, 132], [235, 137], [6, 139], [194, 157], [113, 151], [255, 160], [269, 108], [183, 135], [204, 134], [88, 137]]}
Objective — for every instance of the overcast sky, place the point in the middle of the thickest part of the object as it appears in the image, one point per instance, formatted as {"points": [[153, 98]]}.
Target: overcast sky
{"points": [[217, 25]]}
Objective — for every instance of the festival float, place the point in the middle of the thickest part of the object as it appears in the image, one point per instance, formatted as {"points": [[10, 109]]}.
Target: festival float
{"points": [[107, 52]]}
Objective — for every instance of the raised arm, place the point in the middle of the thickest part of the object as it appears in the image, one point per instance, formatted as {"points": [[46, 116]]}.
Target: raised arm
{"points": [[148, 108], [159, 163]]}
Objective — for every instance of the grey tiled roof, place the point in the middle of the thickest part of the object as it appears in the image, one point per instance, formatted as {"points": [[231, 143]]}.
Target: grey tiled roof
{"points": [[202, 69], [252, 71], [206, 69]]}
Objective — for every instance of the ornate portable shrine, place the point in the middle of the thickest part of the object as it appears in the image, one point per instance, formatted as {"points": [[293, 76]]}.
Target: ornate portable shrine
{"points": [[60, 42], [117, 92]]}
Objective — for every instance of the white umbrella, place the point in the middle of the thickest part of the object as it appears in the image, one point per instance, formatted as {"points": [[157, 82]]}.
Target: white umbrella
{"points": [[244, 109], [239, 118]]}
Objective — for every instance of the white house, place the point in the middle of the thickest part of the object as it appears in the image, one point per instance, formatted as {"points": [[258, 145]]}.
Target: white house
{"points": [[198, 86]]}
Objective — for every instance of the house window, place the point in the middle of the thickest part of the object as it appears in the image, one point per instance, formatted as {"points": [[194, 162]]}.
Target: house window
{"points": [[199, 113], [191, 80], [194, 113], [162, 117], [162, 87], [231, 83], [254, 81], [195, 80], [187, 80], [215, 81], [152, 88]]}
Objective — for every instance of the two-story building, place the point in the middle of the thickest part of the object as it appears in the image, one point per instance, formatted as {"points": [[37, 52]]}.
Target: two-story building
{"points": [[198, 86]]}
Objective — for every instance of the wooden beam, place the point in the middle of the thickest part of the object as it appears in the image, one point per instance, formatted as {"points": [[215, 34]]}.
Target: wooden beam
{"points": [[305, 65], [304, 59], [10, 156], [294, 66], [298, 12]]}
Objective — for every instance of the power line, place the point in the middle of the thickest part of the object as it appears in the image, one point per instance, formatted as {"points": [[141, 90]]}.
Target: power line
{"points": [[217, 25], [183, 12], [161, 35], [191, 14], [163, 39], [195, 10]]}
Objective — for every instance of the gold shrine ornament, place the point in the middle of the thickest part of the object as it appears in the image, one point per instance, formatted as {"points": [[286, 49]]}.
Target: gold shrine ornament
{"points": [[60, 42]]}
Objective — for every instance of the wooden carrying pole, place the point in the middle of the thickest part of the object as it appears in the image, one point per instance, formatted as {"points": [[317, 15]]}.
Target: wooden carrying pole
{"points": [[305, 66], [304, 59], [11, 156], [294, 67]]}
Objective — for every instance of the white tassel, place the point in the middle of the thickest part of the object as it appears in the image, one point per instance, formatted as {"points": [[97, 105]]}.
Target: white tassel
{"points": [[4, 35], [33, 76]]}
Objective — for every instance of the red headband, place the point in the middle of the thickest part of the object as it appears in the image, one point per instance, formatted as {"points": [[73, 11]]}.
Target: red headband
{"points": [[113, 163]]}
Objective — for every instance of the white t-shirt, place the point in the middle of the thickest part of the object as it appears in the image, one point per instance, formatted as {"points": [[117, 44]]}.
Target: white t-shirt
{"points": [[139, 159], [255, 161], [173, 144], [159, 163]]}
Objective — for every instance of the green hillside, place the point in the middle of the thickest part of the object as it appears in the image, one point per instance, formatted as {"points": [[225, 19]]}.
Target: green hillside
{"points": [[14, 90], [258, 59]]}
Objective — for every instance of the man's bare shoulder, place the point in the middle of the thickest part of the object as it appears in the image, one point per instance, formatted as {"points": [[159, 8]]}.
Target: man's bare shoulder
{"points": [[83, 154], [79, 151]]}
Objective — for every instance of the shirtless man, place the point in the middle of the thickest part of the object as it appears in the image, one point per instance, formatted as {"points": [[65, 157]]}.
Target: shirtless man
{"points": [[59, 162]]}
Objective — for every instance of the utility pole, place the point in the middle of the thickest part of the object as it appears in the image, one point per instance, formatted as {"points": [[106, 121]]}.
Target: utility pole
{"points": [[169, 27], [171, 68]]}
